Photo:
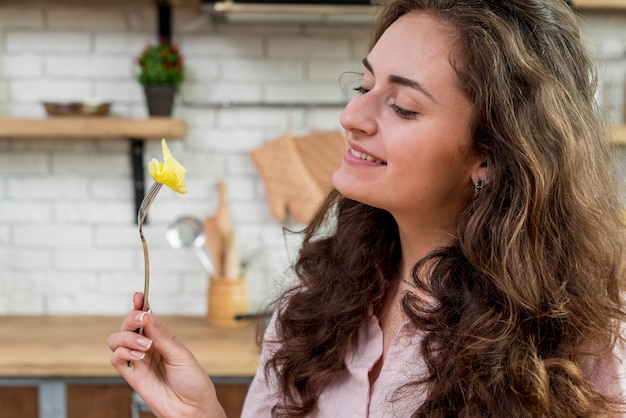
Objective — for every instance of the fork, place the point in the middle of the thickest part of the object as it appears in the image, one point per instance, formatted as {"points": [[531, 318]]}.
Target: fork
{"points": [[141, 216]]}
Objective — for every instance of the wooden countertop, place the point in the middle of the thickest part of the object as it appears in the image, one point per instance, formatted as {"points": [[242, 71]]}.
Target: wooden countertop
{"points": [[92, 127], [619, 134], [52, 346]]}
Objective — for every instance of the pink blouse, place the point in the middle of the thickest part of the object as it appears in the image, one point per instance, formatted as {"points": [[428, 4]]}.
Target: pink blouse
{"points": [[351, 395]]}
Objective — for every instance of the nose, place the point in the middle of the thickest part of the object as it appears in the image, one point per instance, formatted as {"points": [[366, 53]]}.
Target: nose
{"points": [[359, 115]]}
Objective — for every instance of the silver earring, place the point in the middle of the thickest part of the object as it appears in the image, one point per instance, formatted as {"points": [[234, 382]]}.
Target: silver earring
{"points": [[478, 186]]}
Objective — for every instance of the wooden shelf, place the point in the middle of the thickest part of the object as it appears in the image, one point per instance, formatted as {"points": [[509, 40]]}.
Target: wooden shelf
{"points": [[579, 4], [600, 4], [136, 130], [175, 3], [92, 127], [619, 134]]}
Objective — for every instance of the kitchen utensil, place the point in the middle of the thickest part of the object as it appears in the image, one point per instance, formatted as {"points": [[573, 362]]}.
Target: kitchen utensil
{"points": [[253, 315], [215, 243], [186, 232], [222, 215], [297, 172], [232, 263], [141, 216], [217, 230]]}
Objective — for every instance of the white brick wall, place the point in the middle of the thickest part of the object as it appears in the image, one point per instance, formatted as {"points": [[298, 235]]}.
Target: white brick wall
{"points": [[68, 241]]}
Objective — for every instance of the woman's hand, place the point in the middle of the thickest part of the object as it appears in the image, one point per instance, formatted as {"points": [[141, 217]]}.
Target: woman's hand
{"points": [[161, 369]]}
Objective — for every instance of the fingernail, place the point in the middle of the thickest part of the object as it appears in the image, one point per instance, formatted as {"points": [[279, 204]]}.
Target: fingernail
{"points": [[137, 354], [140, 316], [144, 342]]}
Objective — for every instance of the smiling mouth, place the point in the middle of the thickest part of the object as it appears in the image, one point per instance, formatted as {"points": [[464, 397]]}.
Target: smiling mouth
{"points": [[366, 157]]}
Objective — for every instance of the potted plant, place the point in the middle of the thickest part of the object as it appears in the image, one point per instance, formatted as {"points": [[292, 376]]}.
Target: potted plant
{"points": [[161, 70]]}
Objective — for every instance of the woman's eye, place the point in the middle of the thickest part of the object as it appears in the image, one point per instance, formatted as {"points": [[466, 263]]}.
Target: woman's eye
{"points": [[403, 113]]}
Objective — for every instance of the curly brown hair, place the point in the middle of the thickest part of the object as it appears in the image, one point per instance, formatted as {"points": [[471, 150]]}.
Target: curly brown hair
{"points": [[529, 290]]}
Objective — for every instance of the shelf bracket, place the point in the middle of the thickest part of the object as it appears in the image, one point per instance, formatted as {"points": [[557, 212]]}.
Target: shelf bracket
{"points": [[139, 184], [164, 23]]}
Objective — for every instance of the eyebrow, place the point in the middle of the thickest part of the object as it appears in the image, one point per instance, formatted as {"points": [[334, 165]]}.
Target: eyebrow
{"points": [[396, 79]]}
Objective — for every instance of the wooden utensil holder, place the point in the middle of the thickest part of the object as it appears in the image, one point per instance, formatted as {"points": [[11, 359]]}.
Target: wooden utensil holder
{"points": [[227, 298]]}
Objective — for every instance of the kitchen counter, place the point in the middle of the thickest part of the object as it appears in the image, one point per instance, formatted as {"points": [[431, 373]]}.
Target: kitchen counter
{"points": [[47, 346], [53, 352]]}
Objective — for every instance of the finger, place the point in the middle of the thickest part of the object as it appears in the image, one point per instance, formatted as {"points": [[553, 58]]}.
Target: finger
{"points": [[122, 356], [132, 365], [164, 340], [138, 301], [129, 349], [129, 340], [134, 321]]}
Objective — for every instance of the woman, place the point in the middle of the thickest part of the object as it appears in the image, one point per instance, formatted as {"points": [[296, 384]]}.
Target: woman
{"points": [[468, 262]]}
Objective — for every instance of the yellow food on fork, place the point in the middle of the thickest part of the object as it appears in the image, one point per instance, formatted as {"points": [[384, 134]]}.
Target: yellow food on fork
{"points": [[170, 172]]}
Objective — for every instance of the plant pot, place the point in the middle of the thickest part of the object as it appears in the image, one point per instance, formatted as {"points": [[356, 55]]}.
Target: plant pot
{"points": [[160, 99]]}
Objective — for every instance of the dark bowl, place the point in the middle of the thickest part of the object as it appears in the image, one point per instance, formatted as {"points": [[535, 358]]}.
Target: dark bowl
{"points": [[76, 109]]}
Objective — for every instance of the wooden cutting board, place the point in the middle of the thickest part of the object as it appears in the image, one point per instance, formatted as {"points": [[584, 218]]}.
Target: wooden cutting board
{"points": [[297, 172]]}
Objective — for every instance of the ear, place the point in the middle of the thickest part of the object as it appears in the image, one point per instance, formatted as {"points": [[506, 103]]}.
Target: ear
{"points": [[480, 171]]}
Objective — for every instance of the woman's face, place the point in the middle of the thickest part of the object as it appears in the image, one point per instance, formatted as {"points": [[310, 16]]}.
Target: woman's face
{"points": [[408, 142]]}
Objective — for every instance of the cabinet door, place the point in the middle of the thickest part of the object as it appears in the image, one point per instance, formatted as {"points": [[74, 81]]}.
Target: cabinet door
{"points": [[18, 402], [231, 397], [106, 401], [98, 401], [102, 401]]}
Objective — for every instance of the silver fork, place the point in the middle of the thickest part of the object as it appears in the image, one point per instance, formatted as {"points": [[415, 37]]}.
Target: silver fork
{"points": [[141, 216]]}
